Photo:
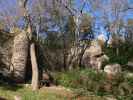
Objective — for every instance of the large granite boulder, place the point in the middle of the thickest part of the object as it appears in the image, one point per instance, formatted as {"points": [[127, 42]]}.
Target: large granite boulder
{"points": [[94, 49], [89, 57], [13, 54], [6, 42], [94, 57], [19, 56]]}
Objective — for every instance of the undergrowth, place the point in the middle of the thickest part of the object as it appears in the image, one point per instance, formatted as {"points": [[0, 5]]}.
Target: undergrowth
{"points": [[87, 81]]}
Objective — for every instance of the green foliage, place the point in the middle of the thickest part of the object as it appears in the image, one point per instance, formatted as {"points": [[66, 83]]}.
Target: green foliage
{"points": [[87, 79], [94, 82], [9, 92], [66, 79], [125, 53]]}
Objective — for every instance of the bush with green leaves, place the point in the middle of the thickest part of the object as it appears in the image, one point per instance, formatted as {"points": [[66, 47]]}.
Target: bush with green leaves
{"points": [[95, 82], [125, 53]]}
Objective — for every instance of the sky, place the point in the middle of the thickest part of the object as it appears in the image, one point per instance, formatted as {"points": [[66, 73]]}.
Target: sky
{"points": [[127, 15], [6, 5]]}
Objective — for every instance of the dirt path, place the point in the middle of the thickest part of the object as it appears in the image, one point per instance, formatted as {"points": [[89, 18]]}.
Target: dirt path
{"points": [[69, 94], [59, 90]]}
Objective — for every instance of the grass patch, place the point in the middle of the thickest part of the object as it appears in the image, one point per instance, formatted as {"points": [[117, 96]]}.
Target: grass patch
{"points": [[28, 94], [86, 84]]}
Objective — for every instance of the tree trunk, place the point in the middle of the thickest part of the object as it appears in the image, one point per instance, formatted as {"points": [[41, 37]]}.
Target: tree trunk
{"points": [[117, 51], [19, 57], [35, 73]]}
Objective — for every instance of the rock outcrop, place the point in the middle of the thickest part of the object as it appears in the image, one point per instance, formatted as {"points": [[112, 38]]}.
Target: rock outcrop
{"points": [[94, 57], [19, 56]]}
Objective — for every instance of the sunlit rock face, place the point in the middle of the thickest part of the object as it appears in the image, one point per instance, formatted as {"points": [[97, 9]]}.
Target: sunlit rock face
{"points": [[19, 56], [112, 69], [94, 57], [102, 38], [90, 57], [94, 49]]}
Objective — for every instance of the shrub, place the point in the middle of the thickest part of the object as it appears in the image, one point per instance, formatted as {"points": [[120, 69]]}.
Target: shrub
{"points": [[125, 53], [96, 82]]}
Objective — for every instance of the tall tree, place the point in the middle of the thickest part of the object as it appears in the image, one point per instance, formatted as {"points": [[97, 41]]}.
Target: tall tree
{"points": [[20, 51], [29, 29]]}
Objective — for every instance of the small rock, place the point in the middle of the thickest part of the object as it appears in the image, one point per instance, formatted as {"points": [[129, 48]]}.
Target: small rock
{"points": [[110, 98], [112, 69], [47, 80], [16, 97], [130, 63], [128, 75], [27, 85], [94, 57]]}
